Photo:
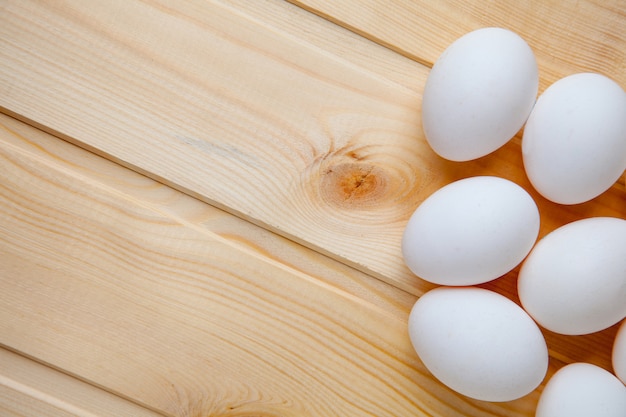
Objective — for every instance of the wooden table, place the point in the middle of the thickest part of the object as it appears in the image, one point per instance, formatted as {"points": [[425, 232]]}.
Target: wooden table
{"points": [[201, 202]]}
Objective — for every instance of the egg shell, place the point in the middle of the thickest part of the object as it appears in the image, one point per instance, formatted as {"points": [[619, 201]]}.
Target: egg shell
{"points": [[479, 93], [574, 143], [582, 390], [478, 343], [619, 353], [470, 231], [574, 280]]}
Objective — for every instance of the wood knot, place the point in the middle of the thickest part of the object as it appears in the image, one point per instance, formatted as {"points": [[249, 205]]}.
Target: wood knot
{"points": [[352, 184]]}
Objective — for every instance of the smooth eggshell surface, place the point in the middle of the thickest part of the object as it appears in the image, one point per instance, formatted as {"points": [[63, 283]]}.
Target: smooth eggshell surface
{"points": [[619, 353], [478, 343], [574, 143], [479, 93], [470, 231], [582, 390], [574, 280]]}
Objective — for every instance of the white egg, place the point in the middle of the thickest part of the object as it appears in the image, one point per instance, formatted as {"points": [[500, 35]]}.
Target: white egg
{"points": [[574, 144], [574, 280], [582, 390], [479, 93], [619, 353], [470, 231], [478, 343]]}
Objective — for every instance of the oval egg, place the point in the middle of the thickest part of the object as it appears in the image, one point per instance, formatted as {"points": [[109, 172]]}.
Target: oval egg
{"points": [[574, 143], [619, 353], [478, 343], [582, 390], [470, 231], [479, 93], [574, 280]]}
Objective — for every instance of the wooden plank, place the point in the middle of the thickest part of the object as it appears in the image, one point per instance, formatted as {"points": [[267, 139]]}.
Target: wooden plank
{"points": [[567, 36], [245, 235], [218, 104], [28, 388], [108, 287]]}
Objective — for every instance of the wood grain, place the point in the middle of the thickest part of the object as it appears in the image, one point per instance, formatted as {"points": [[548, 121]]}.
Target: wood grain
{"points": [[28, 388], [117, 291], [216, 102], [567, 36], [206, 100], [190, 211]]}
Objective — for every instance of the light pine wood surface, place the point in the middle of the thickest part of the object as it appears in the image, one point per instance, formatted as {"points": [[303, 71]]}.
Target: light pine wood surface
{"points": [[248, 262]]}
